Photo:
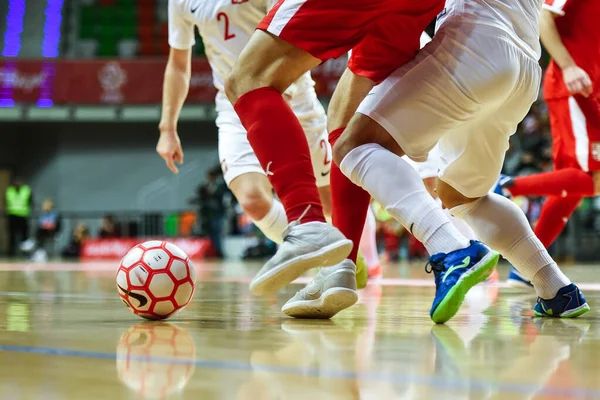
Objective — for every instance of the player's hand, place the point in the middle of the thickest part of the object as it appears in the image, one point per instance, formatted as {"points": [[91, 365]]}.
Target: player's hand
{"points": [[577, 81], [169, 148]]}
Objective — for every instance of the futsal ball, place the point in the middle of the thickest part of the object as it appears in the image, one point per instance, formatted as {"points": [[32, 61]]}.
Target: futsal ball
{"points": [[156, 280], [156, 359]]}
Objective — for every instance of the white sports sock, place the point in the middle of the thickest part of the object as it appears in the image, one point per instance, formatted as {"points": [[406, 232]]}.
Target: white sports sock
{"points": [[368, 241], [501, 224], [397, 186], [273, 224], [461, 225]]}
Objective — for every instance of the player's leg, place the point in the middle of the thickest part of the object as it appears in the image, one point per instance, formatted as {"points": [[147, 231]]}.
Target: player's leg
{"points": [[349, 202], [255, 195], [416, 106], [294, 37], [475, 156], [255, 88], [245, 177], [368, 246], [575, 126]]}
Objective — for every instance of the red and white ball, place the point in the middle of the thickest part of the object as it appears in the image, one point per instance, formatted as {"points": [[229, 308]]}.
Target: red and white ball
{"points": [[156, 279]]}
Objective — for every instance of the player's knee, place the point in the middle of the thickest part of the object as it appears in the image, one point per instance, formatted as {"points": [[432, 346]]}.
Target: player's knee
{"points": [[255, 203], [233, 86], [341, 148]]}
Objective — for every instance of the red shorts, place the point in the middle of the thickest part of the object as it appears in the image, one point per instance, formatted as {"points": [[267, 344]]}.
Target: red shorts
{"points": [[382, 34], [575, 123]]}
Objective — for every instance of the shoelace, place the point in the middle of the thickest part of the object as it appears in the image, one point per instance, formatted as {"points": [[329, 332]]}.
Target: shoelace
{"points": [[286, 231], [433, 266]]}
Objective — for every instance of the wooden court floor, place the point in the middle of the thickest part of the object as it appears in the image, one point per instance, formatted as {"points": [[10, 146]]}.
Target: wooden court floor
{"points": [[65, 335]]}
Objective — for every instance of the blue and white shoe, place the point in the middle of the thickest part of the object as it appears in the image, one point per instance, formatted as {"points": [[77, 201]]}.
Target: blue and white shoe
{"points": [[569, 302], [455, 274], [518, 281], [504, 181]]}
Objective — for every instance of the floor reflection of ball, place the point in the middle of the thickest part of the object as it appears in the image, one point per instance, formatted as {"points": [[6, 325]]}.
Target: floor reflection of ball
{"points": [[156, 359]]}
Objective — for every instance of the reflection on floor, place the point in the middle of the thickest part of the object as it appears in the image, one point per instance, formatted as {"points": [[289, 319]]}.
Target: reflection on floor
{"points": [[65, 335]]}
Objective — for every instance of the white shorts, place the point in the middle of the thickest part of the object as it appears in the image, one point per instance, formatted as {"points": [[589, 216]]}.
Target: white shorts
{"points": [[466, 91], [236, 154]]}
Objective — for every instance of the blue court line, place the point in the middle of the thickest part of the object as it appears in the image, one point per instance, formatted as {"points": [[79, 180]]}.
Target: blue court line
{"points": [[439, 382]]}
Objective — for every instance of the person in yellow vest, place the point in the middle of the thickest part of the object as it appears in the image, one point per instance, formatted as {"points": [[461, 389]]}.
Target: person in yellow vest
{"points": [[18, 201]]}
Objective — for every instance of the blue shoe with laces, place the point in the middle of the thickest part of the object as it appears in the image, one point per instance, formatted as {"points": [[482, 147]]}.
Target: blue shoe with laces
{"points": [[569, 302], [455, 274], [518, 281]]}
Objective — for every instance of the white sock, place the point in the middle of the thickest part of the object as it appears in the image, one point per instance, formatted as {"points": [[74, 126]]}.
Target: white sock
{"points": [[461, 226], [501, 224], [273, 224], [397, 186], [368, 241]]}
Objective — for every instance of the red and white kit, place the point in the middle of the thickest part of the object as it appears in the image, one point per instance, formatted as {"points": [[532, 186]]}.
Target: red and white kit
{"points": [[226, 27], [575, 120], [382, 34]]}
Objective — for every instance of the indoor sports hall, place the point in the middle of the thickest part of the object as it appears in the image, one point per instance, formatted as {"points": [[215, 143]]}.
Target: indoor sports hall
{"points": [[98, 240]]}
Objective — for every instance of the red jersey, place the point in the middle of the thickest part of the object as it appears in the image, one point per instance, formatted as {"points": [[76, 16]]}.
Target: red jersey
{"points": [[577, 25]]}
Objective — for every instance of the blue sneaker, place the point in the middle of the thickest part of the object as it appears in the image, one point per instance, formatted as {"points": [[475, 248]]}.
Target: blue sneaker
{"points": [[504, 181], [518, 281], [455, 274], [569, 302]]}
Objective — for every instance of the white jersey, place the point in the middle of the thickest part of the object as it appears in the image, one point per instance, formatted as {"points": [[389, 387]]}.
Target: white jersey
{"points": [[225, 27], [518, 19]]}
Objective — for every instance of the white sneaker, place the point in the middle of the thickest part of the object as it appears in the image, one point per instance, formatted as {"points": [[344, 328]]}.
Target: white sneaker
{"points": [[305, 246], [331, 291]]}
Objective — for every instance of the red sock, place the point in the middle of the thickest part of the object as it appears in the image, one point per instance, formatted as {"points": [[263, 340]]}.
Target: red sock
{"points": [[279, 143], [350, 203], [554, 216], [562, 182]]}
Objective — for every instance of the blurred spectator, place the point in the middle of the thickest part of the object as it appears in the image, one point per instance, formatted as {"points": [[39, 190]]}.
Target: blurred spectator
{"points": [[211, 199], [109, 228], [73, 249], [18, 201], [47, 228]]}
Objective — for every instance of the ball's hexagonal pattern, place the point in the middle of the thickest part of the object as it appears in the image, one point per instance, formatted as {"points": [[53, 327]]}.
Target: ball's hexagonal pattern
{"points": [[179, 270], [176, 251], [192, 272], [183, 294], [164, 307], [132, 257], [122, 279], [156, 259], [161, 285], [155, 280], [151, 244], [138, 275]]}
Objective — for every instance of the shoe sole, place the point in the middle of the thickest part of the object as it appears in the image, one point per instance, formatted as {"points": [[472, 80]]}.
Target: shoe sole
{"points": [[576, 312], [331, 302], [451, 303], [517, 284], [282, 275]]}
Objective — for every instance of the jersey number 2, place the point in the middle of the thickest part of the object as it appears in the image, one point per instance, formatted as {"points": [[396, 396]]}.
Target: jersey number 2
{"points": [[228, 35]]}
